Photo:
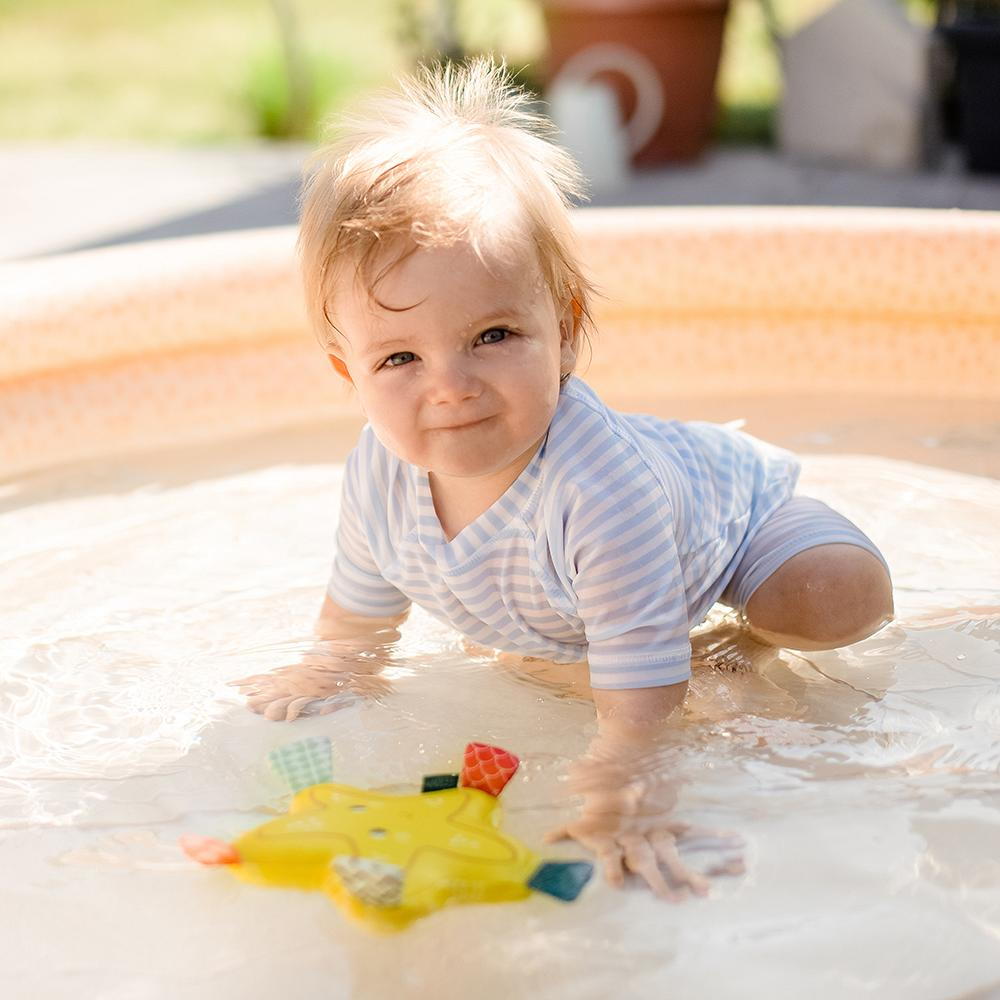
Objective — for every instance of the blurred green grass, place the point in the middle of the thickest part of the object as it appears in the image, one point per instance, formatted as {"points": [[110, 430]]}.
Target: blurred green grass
{"points": [[199, 71], [183, 71]]}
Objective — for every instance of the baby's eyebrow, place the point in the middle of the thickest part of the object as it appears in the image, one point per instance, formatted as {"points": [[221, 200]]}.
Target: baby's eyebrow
{"points": [[383, 345], [494, 315]]}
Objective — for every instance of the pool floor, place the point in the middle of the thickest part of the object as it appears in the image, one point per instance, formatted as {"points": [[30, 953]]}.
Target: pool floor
{"points": [[864, 780]]}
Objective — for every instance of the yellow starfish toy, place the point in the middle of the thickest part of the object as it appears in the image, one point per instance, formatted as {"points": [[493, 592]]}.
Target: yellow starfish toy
{"points": [[389, 859]]}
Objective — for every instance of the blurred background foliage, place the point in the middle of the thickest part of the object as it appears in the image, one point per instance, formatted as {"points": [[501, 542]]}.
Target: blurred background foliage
{"points": [[199, 71]]}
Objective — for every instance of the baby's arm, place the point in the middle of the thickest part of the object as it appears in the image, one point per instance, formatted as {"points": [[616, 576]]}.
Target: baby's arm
{"points": [[335, 622], [629, 793], [637, 714], [351, 652]]}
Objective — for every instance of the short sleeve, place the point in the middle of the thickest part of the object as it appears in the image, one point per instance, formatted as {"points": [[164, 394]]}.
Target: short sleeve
{"points": [[627, 576], [356, 582]]}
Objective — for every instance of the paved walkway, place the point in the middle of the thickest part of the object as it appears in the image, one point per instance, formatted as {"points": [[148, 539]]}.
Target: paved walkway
{"points": [[63, 197]]}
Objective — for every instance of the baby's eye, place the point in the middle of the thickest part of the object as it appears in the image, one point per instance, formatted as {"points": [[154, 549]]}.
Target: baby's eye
{"points": [[495, 335], [400, 358]]}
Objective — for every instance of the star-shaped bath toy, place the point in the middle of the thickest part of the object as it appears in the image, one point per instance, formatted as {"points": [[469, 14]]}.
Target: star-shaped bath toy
{"points": [[389, 859]]}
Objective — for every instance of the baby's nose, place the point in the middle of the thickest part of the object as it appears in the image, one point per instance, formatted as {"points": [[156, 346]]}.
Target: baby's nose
{"points": [[453, 381]]}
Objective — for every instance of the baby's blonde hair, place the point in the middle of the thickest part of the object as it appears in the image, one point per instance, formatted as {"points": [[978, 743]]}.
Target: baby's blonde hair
{"points": [[454, 156]]}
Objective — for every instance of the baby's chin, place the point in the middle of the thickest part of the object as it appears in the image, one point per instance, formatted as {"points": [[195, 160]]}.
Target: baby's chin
{"points": [[479, 452]]}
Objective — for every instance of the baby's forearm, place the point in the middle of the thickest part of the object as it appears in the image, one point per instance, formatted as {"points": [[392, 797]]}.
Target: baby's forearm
{"points": [[638, 716], [633, 730], [335, 622], [628, 778], [361, 654]]}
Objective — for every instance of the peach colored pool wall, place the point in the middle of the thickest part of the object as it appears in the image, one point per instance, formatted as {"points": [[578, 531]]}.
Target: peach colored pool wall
{"points": [[171, 447], [135, 347]]}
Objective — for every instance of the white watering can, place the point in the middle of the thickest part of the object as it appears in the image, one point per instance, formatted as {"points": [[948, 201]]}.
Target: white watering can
{"points": [[586, 111]]}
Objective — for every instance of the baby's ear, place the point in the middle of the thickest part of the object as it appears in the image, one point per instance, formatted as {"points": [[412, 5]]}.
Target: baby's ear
{"points": [[569, 325], [570, 320], [340, 368]]}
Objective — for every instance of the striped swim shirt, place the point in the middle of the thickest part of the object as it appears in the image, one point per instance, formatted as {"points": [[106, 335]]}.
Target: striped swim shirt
{"points": [[615, 540]]}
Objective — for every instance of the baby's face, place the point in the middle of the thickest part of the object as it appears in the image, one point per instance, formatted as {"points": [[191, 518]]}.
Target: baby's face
{"points": [[457, 365]]}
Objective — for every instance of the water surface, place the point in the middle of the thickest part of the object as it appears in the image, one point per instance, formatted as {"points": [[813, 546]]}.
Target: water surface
{"points": [[865, 780]]}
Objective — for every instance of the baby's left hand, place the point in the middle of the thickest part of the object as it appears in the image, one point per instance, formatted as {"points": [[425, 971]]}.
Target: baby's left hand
{"points": [[626, 823]]}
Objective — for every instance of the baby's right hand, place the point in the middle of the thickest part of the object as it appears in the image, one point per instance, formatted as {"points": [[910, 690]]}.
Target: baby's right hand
{"points": [[285, 693]]}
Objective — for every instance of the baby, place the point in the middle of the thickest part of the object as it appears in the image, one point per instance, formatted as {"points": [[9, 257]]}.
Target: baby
{"points": [[492, 487]]}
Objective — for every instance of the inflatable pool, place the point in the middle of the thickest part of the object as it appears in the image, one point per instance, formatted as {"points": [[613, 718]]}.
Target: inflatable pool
{"points": [[171, 446]]}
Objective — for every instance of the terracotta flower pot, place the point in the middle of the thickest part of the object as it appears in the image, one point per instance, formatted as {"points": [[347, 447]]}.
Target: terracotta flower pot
{"points": [[640, 47]]}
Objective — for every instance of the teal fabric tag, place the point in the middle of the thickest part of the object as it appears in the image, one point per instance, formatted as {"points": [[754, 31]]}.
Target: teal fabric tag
{"points": [[562, 879]]}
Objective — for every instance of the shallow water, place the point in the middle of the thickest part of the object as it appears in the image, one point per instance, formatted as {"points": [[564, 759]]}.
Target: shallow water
{"points": [[865, 780]]}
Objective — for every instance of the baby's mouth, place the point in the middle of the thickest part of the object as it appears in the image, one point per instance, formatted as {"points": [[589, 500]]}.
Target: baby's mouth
{"points": [[461, 427]]}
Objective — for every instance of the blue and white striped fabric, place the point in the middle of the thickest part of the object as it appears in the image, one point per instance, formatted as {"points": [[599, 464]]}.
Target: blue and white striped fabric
{"points": [[616, 539]]}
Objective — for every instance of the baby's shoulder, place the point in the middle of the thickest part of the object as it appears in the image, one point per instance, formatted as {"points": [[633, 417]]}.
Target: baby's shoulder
{"points": [[592, 452], [582, 414], [665, 443]]}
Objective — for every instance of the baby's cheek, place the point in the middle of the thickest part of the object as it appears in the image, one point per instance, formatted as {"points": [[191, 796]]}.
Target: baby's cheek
{"points": [[384, 412]]}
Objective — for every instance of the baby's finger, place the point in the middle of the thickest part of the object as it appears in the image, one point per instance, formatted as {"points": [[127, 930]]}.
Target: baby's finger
{"points": [[609, 857], [259, 700], [642, 860], [731, 866], [330, 705], [692, 836], [606, 851], [275, 709], [260, 704], [666, 850], [296, 706], [285, 709], [251, 681]]}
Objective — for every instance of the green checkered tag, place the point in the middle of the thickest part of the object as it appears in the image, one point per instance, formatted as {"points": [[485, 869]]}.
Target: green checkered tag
{"points": [[304, 763]]}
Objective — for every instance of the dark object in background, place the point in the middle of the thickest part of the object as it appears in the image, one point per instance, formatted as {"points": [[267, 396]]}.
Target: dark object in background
{"points": [[972, 30]]}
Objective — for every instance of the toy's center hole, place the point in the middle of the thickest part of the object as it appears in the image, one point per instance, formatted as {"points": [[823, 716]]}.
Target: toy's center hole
{"points": [[357, 809], [378, 832]]}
